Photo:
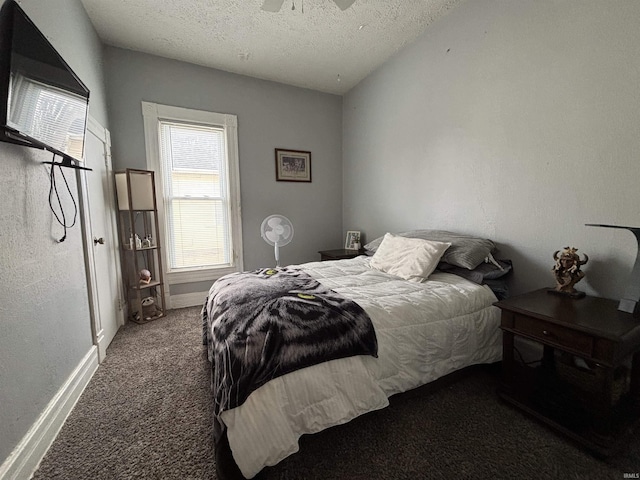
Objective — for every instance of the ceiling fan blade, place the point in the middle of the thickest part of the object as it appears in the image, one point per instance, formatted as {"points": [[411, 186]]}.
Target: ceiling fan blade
{"points": [[272, 5], [343, 4]]}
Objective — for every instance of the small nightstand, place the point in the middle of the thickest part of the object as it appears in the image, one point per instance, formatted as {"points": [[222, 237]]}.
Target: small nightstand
{"points": [[340, 254], [587, 383]]}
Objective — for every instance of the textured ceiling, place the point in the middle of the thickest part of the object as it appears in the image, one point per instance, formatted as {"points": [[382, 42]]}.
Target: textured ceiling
{"points": [[316, 45]]}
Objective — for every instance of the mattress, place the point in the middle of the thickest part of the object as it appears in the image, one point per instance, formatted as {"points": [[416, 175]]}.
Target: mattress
{"points": [[424, 331]]}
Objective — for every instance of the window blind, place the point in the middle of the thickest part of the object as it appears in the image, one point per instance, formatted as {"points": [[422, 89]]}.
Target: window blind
{"points": [[196, 195], [48, 114]]}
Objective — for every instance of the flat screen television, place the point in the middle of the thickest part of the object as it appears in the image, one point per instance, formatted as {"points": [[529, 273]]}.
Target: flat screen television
{"points": [[43, 103]]}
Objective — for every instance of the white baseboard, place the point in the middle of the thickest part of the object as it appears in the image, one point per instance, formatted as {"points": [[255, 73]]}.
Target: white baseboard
{"points": [[188, 299], [26, 457]]}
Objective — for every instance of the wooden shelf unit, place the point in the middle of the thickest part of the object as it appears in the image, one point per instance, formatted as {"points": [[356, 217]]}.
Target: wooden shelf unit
{"points": [[138, 219]]}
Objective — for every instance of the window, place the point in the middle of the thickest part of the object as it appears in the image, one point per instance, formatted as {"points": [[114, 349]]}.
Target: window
{"points": [[195, 155], [195, 195]]}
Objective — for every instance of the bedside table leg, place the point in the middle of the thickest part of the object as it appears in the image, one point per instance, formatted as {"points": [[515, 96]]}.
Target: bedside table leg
{"points": [[507, 361], [602, 421], [634, 387]]}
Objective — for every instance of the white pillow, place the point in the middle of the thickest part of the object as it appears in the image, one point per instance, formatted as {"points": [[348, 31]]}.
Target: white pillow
{"points": [[409, 258]]}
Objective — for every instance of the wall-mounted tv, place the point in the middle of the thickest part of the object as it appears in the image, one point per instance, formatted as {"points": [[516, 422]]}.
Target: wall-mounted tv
{"points": [[43, 103]]}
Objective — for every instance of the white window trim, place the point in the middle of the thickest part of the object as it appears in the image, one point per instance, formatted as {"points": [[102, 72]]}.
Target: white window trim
{"points": [[152, 114]]}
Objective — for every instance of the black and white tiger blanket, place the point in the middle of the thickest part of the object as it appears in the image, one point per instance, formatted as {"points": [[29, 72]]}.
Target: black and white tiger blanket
{"points": [[266, 323]]}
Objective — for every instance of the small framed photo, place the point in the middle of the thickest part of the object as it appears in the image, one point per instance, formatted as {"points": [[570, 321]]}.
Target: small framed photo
{"points": [[293, 165], [353, 240]]}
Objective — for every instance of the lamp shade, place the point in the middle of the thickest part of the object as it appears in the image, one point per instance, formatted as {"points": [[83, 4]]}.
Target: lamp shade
{"points": [[141, 184]]}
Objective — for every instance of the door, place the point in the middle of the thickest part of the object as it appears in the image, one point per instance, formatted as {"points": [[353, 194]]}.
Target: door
{"points": [[101, 240]]}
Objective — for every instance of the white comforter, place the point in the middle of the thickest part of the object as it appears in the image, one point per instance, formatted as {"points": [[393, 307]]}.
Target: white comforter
{"points": [[424, 330]]}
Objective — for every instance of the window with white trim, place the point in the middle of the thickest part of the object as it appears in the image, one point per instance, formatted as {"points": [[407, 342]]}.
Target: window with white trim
{"points": [[195, 154]]}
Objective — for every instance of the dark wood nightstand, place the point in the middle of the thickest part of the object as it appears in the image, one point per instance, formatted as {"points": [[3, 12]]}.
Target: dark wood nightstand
{"points": [[339, 254], [587, 383]]}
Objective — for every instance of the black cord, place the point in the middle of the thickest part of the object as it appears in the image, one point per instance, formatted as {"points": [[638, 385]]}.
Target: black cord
{"points": [[54, 188]]}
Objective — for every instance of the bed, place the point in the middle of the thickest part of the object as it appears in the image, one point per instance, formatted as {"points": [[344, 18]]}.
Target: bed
{"points": [[426, 326]]}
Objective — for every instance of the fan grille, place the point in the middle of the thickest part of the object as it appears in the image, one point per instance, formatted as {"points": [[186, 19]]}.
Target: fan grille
{"points": [[277, 229]]}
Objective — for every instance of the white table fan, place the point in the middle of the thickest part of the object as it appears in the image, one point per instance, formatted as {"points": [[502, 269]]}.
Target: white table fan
{"points": [[277, 231]]}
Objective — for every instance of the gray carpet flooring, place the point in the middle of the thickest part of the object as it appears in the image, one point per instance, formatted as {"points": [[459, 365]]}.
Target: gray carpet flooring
{"points": [[146, 415]]}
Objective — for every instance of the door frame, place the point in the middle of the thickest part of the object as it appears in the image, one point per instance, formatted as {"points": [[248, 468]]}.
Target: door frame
{"points": [[97, 331]]}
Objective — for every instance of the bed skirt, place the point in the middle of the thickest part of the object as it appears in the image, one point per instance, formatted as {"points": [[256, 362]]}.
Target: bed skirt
{"points": [[227, 469]]}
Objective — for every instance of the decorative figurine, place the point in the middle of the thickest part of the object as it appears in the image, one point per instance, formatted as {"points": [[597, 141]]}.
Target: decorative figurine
{"points": [[150, 310], [567, 271], [145, 276]]}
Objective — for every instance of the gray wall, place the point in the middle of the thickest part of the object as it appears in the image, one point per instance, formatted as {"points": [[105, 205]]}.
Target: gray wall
{"points": [[45, 328], [517, 121], [270, 116]]}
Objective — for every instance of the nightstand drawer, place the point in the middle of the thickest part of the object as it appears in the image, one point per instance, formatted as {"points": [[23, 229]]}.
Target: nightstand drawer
{"points": [[552, 334]]}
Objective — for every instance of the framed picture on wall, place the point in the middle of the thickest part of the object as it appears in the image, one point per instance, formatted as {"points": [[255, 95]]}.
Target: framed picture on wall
{"points": [[293, 165], [353, 240]]}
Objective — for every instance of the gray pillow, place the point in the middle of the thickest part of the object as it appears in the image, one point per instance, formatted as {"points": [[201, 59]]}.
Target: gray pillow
{"points": [[480, 274], [465, 251]]}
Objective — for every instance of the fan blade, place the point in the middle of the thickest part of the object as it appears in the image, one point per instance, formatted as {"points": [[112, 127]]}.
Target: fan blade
{"points": [[343, 4], [286, 232], [272, 5], [272, 236], [274, 222]]}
